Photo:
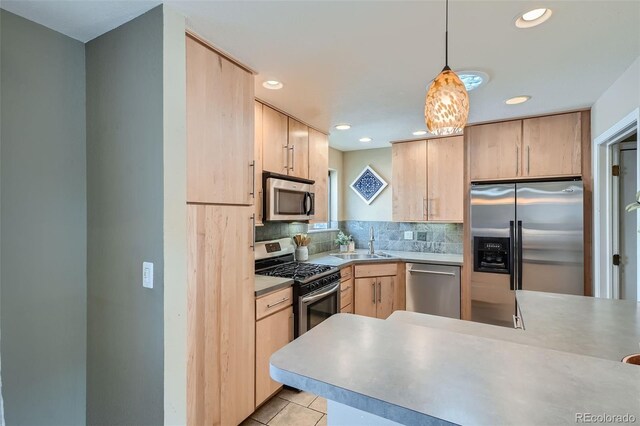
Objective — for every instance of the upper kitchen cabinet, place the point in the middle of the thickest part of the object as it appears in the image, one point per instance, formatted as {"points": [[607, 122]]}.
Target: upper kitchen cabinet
{"points": [[220, 128], [319, 172], [409, 181], [275, 136], [445, 179], [552, 145], [495, 150], [258, 156], [428, 180], [298, 147]]}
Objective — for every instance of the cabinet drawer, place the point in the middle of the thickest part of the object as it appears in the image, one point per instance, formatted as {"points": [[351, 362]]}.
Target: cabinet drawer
{"points": [[376, 270], [347, 309], [346, 273], [346, 293], [274, 302]]}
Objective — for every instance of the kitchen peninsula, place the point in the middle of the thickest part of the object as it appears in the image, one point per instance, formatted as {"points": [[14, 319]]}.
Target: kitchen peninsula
{"points": [[412, 372]]}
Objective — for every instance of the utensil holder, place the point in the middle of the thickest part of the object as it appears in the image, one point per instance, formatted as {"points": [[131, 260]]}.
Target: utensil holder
{"points": [[302, 253]]}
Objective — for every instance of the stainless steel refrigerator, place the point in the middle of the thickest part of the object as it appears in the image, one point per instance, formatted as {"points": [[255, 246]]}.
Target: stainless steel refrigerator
{"points": [[525, 236]]}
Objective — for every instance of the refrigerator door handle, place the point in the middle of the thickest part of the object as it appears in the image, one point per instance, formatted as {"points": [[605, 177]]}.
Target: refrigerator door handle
{"points": [[519, 242], [512, 271]]}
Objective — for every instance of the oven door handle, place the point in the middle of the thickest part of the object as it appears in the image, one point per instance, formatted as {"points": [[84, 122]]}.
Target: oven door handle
{"points": [[315, 297]]}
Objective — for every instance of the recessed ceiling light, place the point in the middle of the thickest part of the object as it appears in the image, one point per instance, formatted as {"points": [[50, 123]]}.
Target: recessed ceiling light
{"points": [[272, 84], [473, 79], [533, 17], [365, 139], [343, 126], [419, 132], [517, 100]]}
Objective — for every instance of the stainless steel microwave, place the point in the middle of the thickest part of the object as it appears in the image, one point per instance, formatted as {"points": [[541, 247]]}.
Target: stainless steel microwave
{"points": [[288, 199]]}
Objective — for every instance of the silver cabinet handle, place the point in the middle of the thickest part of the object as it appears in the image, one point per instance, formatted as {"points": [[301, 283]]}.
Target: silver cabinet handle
{"points": [[374, 292], [253, 230], [517, 323], [293, 157], [279, 302], [418, 271], [424, 208], [253, 178], [379, 292], [286, 157], [517, 160], [528, 159]]}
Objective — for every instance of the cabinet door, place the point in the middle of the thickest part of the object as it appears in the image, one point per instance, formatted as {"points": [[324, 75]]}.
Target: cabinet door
{"points": [[220, 314], [365, 297], [385, 297], [298, 149], [445, 187], [495, 150], [552, 145], [409, 165], [319, 172], [220, 129], [272, 333], [258, 156], [274, 141]]}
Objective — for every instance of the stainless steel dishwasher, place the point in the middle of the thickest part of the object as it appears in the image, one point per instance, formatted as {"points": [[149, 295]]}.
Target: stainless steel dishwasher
{"points": [[433, 289]]}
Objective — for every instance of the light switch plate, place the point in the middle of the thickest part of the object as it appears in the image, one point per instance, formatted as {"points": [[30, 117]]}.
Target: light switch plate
{"points": [[408, 235], [147, 274]]}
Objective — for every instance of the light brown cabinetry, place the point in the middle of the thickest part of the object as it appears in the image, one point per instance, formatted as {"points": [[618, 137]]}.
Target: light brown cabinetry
{"points": [[495, 150], [275, 136], [539, 147], [298, 147], [274, 329], [346, 290], [551, 145], [319, 172], [445, 186], [428, 180], [220, 314], [258, 156], [375, 290], [220, 128], [409, 178]]}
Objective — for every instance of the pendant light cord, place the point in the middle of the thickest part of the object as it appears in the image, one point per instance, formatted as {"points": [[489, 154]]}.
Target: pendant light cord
{"points": [[446, 35]]}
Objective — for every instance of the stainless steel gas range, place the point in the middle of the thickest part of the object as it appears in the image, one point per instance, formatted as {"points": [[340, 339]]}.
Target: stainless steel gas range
{"points": [[316, 289]]}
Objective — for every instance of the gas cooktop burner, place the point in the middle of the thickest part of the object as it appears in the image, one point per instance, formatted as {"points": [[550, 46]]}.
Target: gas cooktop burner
{"points": [[296, 271]]}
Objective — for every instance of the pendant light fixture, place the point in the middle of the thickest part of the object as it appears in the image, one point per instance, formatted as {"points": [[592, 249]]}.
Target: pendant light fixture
{"points": [[446, 108]]}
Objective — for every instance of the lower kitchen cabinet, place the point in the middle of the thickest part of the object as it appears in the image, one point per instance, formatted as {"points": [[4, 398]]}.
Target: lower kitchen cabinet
{"points": [[346, 296], [374, 296], [272, 333], [220, 314]]}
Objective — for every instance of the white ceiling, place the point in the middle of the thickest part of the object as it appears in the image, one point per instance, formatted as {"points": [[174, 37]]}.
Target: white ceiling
{"points": [[368, 63]]}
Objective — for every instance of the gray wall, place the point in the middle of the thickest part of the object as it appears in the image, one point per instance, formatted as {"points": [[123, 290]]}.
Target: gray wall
{"points": [[125, 223], [43, 220]]}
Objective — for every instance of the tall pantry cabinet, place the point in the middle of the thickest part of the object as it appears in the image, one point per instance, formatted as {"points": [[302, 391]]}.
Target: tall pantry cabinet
{"points": [[221, 170]]}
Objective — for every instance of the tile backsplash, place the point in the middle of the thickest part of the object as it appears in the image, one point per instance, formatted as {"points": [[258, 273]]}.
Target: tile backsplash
{"points": [[321, 241], [426, 237]]}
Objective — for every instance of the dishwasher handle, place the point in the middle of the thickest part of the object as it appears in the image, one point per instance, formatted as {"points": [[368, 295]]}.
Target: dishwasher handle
{"points": [[420, 271]]}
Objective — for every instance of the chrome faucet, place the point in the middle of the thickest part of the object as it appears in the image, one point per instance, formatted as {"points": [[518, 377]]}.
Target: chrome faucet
{"points": [[371, 240]]}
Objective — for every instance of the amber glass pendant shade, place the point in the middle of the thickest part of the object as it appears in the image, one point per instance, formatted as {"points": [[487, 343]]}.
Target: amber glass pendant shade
{"points": [[446, 108]]}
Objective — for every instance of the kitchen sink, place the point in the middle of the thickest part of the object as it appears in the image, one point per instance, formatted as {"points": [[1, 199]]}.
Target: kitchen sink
{"points": [[361, 256]]}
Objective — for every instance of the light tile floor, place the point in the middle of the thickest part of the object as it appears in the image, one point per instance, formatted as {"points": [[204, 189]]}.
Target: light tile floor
{"points": [[290, 408]]}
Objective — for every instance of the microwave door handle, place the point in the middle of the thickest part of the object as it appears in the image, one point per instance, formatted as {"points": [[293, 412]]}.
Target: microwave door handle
{"points": [[307, 203], [315, 297]]}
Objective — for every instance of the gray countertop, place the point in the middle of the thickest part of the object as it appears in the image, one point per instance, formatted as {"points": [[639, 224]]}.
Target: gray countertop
{"points": [[265, 284], [420, 375], [396, 256], [602, 328]]}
